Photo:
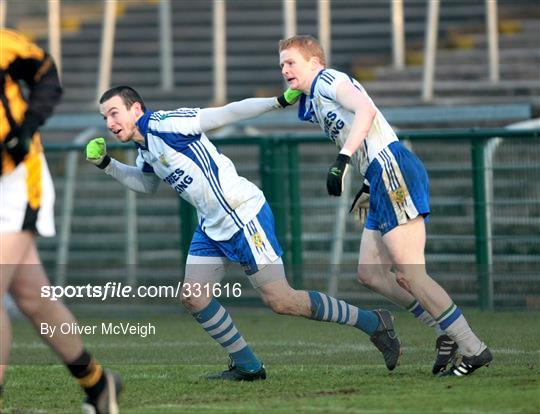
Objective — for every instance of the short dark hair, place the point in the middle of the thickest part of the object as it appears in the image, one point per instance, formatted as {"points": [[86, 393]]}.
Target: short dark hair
{"points": [[127, 93]]}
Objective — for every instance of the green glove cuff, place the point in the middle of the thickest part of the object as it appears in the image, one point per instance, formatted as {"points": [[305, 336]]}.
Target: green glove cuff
{"points": [[289, 97], [103, 164], [292, 95]]}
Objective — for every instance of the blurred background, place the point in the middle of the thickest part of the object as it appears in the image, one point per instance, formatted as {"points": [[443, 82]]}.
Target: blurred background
{"points": [[432, 68]]}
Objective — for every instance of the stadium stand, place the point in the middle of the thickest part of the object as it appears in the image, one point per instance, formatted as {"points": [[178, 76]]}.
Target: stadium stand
{"points": [[464, 97], [361, 39]]}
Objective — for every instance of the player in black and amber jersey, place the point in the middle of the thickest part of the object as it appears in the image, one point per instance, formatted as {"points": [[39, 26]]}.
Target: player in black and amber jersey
{"points": [[29, 91]]}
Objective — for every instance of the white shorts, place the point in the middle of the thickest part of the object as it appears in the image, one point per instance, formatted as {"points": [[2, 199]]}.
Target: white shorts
{"points": [[27, 198]]}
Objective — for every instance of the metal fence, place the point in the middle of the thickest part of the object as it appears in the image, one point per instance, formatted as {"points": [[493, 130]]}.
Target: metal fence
{"points": [[483, 236]]}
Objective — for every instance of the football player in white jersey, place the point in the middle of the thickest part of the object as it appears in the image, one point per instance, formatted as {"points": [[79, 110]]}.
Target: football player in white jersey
{"points": [[235, 221], [394, 233]]}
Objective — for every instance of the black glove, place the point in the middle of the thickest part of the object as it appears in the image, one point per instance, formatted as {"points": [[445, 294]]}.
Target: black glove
{"points": [[360, 205], [336, 175], [18, 142], [363, 191]]}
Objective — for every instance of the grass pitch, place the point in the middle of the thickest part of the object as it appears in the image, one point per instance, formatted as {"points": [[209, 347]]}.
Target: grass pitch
{"points": [[312, 367]]}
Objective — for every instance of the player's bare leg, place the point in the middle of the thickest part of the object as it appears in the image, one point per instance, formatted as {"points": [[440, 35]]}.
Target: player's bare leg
{"points": [[406, 245], [12, 249], [5, 342], [26, 291], [284, 300], [101, 386], [374, 269], [281, 298], [374, 272]]}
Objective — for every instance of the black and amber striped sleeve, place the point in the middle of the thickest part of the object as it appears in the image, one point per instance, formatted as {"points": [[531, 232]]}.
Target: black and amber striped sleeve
{"points": [[41, 76]]}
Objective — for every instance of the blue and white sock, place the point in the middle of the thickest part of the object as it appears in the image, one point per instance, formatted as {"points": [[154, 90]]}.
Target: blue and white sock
{"points": [[217, 322], [328, 309], [422, 315], [457, 328]]}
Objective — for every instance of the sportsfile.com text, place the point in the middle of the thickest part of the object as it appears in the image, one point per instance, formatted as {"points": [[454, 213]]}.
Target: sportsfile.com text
{"points": [[119, 290]]}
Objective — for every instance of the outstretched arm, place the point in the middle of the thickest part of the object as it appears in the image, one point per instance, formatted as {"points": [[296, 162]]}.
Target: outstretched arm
{"points": [[212, 118]]}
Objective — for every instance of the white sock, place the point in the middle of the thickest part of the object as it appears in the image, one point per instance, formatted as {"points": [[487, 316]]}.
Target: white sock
{"points": [[457, 328], [422, 315]]}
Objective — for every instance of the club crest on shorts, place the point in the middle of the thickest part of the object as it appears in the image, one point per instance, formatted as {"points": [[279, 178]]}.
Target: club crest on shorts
{"points": [[399, 195], [257, 240]]}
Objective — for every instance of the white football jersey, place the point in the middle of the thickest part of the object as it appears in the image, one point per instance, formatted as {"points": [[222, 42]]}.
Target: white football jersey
{"points": [[177, 151], [322, 107]]}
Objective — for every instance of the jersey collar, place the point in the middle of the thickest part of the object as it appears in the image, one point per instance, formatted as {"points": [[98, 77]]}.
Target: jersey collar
{"points": [[315, 82], [306, 113], [142, 124]]}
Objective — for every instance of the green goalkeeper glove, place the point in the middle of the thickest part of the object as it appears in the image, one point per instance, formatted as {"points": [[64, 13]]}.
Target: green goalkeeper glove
{"points": [[96, 153], [289, 97]]}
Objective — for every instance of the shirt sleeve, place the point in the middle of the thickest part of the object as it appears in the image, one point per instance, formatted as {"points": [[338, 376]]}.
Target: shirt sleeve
{"points": [[329, 81], [184, 122], [133, 177], [31, 65], [212, 118]]}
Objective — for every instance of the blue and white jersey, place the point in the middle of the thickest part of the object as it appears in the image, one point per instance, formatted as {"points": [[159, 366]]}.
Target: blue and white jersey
{"points": [[177, 151], [322, 107]]}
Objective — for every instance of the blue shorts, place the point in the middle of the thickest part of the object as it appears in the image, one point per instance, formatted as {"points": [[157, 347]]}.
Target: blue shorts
{"points": [[254, 247], [399, 188]]}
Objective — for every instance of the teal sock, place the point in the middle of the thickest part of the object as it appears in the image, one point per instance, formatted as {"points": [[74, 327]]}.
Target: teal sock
{"points": [[328, 309], [217, 322], [422, 315]]}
